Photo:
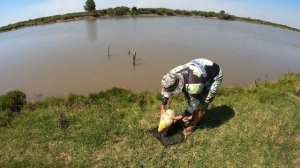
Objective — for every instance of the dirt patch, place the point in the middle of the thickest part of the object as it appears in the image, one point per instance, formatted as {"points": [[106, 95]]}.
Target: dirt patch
{"points": [[64, 157], [297, 154], [99, 155], [54, 144], [297, 92]]}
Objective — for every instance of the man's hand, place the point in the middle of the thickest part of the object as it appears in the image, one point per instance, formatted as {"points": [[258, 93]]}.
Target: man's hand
{"points": [[162, 110], [177, 118]]}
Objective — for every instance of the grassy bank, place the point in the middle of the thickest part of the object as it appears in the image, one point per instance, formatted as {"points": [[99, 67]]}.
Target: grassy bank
{"points": [[125, 11], [252, 127]]}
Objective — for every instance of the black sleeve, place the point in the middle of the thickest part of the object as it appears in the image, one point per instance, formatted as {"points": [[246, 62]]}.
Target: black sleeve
{"points": [[186, 113], [164, 101]]}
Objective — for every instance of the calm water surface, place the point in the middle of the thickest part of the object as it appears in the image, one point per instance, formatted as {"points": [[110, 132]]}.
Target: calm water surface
{"points": [[57, 59]]}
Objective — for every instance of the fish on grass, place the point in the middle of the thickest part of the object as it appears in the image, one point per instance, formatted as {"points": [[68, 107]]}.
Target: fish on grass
{"points": [[166, 120]]}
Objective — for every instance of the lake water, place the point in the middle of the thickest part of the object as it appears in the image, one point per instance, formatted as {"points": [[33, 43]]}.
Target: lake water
{"points": [[57, 59]]}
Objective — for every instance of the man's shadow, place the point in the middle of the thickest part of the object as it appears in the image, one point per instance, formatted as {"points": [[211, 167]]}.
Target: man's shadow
{"points": [[213, 118], [216, 116]]}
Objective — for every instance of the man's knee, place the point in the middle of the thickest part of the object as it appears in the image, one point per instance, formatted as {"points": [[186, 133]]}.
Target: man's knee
{"points": [[202, 106]]}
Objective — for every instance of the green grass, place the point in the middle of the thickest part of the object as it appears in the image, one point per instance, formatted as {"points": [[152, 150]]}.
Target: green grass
{"points": [[244, 127]]}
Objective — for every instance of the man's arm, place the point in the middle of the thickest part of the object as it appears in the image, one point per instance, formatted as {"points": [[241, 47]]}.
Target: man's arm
{"points": [[162, 109], [177, 118], [214, 88], [164, 103], [197, 116]]}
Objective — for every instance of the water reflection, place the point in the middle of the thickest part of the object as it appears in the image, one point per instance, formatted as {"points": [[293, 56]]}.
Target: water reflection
{"points": [[92, 30], [138, 62]]}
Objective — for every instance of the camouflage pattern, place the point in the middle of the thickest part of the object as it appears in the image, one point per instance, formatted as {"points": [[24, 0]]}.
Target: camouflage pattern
{"points": [[201, 80]]}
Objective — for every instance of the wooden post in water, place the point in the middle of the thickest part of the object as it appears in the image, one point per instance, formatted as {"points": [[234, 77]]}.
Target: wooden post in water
{"points": [[134, 56], [108, 49]]}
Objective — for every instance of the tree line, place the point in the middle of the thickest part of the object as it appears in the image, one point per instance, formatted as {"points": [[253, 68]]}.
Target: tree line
{"points": [[134, 11], [117, 11]]}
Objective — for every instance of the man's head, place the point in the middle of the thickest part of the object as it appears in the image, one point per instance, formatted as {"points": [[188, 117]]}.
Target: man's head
{"points": [[172, 84]]}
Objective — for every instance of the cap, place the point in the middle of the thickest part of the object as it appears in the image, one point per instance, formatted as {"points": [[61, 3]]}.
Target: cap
{"points": [[172, 84]]}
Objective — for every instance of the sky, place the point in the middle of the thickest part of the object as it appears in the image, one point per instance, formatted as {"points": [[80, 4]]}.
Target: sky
{"points": [[285, 12]]}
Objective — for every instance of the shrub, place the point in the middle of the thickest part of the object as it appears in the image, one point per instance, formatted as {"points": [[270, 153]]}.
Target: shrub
{"points": [[13, 101], [170, 14], [64, 122], [226, 17], [73, 99], [5, 118], [186, 13], [121, 11], [144, 11], [32, 106]]}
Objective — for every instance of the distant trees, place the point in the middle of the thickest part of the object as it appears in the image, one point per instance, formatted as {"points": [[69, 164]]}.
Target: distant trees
{"points": [[222, 15], [134, 11], [121, 11], [157, 11], [90, 6]]}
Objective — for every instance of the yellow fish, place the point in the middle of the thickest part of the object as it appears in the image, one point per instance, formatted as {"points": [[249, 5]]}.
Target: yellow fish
{"points": [[166, 120]]}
